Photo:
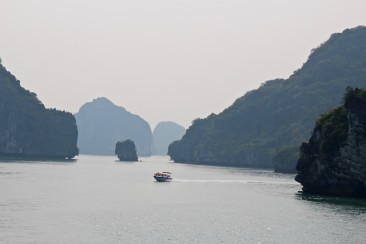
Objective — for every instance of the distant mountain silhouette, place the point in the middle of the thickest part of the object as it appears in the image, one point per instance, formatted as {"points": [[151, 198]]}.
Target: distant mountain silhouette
{"points": [[164, 134], [102, 124], [280, 113], [28, 129]]}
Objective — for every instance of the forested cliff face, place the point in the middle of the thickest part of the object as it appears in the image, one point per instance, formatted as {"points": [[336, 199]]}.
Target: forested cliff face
{"points": [[279, 114], [101, 124], [28, 129], [334, 159]]}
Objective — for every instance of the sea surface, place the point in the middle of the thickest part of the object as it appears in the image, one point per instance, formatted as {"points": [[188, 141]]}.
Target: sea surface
{"points": [[101, 200]]}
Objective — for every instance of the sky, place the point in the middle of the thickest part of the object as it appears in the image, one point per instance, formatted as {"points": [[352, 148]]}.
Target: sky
{"points": [[165, 60]]}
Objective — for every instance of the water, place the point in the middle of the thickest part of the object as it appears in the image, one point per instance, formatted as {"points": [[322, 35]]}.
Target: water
{"points": [[100, 200]]}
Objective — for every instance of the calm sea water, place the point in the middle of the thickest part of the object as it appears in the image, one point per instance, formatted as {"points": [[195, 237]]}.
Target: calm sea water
{"points": [[101, 200]]}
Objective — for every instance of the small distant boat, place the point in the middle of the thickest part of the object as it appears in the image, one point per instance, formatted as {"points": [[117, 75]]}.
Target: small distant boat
{"points": [[163, 176]]}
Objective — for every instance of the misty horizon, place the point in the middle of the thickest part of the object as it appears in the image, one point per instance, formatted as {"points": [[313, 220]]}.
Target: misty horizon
{"points": [[164, 61]]}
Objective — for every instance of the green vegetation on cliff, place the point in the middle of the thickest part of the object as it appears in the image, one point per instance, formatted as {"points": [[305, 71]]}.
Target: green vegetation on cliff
{"points": [[280, 113], [333, 161], [334, 126], [28, 129], [355, 100]]}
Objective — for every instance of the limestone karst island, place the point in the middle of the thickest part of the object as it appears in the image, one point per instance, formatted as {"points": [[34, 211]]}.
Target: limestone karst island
{"points": [[28, 129], [334, 159], [262, 129], [182, 121]]}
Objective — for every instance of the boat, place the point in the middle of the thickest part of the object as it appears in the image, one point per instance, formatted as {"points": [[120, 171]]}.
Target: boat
{"points": [[163, 176]]}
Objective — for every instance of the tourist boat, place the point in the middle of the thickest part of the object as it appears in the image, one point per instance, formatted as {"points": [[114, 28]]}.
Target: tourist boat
{"points": [[163, 176]]}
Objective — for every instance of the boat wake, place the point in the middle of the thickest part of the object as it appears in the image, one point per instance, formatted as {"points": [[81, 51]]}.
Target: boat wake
{"points": [[238, 181]]}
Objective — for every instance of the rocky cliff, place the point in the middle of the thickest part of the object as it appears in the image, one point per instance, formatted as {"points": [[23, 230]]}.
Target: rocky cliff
{"points": [[126, 151], [334, 159], [280, 113], [28, 129], [101, 123]]}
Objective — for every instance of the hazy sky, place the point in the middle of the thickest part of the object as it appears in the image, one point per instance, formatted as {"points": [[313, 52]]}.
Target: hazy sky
{"points": [[171, 60]]}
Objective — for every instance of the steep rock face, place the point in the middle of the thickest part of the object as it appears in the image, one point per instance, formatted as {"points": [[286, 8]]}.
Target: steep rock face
{"points": [[165, 133], [281, 112], [28, 129], [126, 151], [101, 123], [334, 159]]}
